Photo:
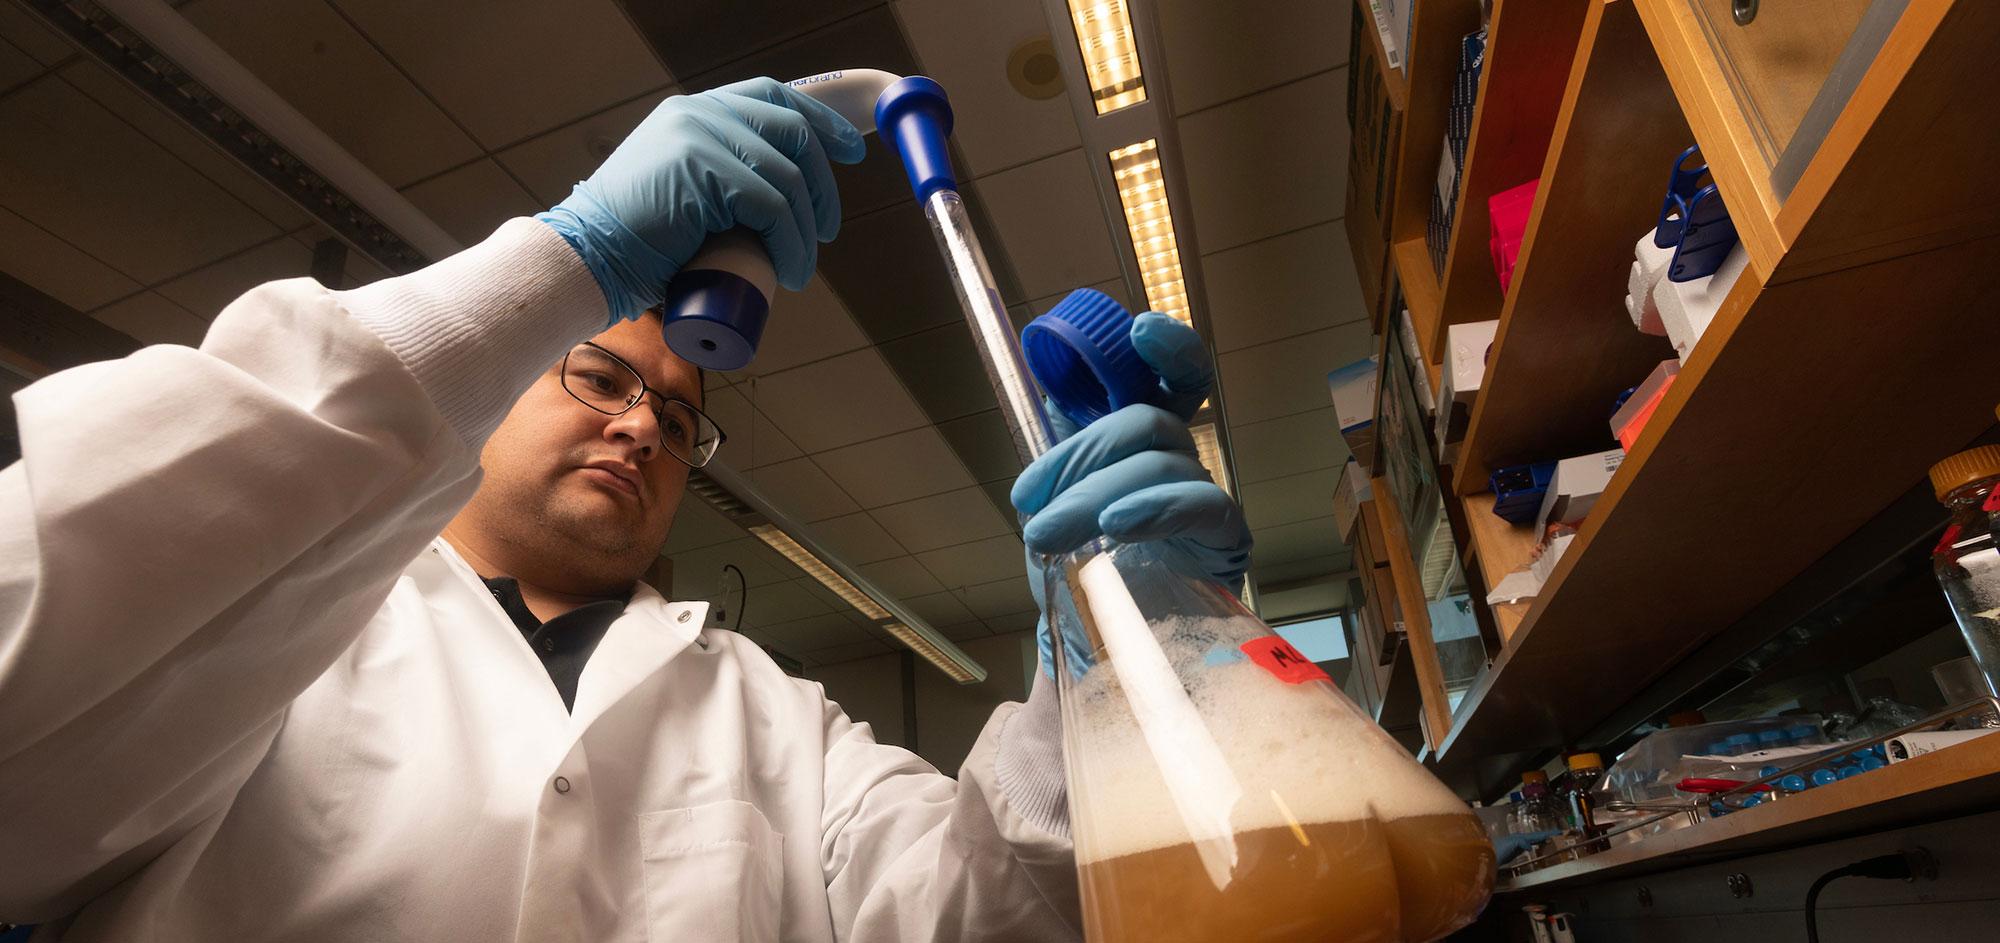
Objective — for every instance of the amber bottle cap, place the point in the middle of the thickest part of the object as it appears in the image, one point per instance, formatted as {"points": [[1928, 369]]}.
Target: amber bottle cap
{"points": [[1583, 761], [1964, 468]]}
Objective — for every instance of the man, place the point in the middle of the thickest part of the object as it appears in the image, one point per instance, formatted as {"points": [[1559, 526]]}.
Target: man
{"points": [[247, 693]]}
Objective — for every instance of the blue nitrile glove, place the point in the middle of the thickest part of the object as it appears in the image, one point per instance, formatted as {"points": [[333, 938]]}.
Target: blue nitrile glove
{"points": [[1134, 476], [751, 154], [1508, 847]]}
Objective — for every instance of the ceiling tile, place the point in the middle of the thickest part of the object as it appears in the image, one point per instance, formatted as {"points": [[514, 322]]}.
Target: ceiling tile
{"points": [[1296, 541], [942, 520], [963, 631], [1287, 446], [1288, 376], [978, 562], [942, 369], [472, 201], [782, 602], [514, 67], [1016, 622], [895, 468], [553, 162], [939, 609], [856, 539], [693, 38], [900, 577], [698, 571], [885, 267], [307, 53], [999, 491], [359, 270], [92, 181], [151, 319], [981, 441], [1303, 568], [1282, 286], [812, 632], [805, 326], [965, 47], [206, 291], [27, 31], [751, 439], [167, 130], [998, 598], [801, 490], [838, 401], [56, 268], [1290, 499], [1052, 225], [696, 524], [1220, 51], [16, 66], [1293, 177], [852, 652]]}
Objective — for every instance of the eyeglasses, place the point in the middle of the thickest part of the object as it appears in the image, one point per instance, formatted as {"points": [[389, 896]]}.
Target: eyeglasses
{"points": [[597, 378]]}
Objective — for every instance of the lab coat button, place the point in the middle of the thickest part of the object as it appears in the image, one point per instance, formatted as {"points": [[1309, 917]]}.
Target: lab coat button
{"points": [[548, 644], [562, 784], [684, 616]]}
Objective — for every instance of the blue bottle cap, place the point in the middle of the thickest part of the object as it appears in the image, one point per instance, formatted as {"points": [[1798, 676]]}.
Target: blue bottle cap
{"points": [[1081, 353], [1767, 771], [1717, 748], [1794, 783], [1739, 742], [1824, 776], [1801, 731], [914, 116], [1715, 807], [1872, 763], [1767, 739], [1849, 772], [1753, 800]]}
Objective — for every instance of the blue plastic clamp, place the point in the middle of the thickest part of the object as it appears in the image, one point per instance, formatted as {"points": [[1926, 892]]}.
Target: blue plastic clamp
{"points": [[1683, 182], [1709, 236]]}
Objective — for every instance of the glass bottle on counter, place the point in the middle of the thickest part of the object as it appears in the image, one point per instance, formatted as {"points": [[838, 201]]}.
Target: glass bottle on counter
{"points": [[1585, 769], [1966, 560]]}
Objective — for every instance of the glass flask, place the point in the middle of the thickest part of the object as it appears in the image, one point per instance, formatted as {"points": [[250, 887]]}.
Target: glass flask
{"points": [[1221, 787]]}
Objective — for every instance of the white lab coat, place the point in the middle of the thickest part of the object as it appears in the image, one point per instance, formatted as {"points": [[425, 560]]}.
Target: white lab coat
{"points": [[246, 694]]}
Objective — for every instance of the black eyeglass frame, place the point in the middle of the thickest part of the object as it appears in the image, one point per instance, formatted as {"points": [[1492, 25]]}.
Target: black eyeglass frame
{"points": [[659, 419]]}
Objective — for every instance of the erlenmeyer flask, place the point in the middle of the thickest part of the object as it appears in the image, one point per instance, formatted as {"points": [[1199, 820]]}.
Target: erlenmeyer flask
{"points": [[1222, 788]]}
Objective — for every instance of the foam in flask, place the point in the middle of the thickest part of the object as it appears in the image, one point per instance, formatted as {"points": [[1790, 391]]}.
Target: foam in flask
{"points": [[1221, 787]]}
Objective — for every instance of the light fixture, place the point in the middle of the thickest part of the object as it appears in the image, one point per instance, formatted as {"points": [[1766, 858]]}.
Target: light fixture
{"points": [[1209, 451], [817, 569], [1110, 53], [921, 644], [1142, 190]]}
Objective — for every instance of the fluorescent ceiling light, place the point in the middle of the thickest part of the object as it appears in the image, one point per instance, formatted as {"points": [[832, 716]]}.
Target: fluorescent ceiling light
{"points": [[1210, 452], [1142, 190], [1110, 54], [922, 645], [817, 569]]}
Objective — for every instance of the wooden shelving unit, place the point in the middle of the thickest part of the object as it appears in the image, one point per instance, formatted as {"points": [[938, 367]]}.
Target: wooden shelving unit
{"points": [[1841, 365], [1957, 781]]}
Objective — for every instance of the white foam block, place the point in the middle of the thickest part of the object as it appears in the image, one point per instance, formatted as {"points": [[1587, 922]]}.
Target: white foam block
{"points": [[1686, 308], [1649, 265]]}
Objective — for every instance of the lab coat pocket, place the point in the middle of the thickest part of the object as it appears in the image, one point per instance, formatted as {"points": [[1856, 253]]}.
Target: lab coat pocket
{"points": [[712, 872]]}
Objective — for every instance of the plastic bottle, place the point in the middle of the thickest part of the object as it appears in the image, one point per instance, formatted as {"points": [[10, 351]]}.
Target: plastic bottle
{"points": [[1966, 560]]}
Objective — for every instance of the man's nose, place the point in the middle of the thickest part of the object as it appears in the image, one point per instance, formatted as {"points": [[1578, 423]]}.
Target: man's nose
{"points": [[638, 426]]}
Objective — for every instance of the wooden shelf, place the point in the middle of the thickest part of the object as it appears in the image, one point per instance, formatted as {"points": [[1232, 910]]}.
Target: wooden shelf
{"points": [[1393, 79], [1565, 347], [1783, 433], [1932, 787], [1501, 548], [1529, 47], [1432, 63], [1412, 262]]}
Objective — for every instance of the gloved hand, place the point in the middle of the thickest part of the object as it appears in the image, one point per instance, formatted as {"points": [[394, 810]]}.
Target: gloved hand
{"points": [[751, 154], [1134, 476], [1508, 847]]}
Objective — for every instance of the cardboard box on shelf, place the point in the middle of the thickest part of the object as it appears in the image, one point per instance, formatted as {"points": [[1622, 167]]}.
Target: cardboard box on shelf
{"points": [[1352, 388], [1630, 419], [1574, 489], [1349, 494], [1465, 348]]}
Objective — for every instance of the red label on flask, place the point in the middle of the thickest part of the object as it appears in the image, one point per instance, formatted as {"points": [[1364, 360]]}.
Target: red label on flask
{"points": [[1284, 662]]}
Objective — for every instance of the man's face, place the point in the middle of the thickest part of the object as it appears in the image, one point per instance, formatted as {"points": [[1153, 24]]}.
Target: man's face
{"points": [[586, 492]]}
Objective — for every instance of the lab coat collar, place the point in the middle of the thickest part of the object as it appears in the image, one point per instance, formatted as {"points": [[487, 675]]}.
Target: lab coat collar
{"points": [[639, 642]]}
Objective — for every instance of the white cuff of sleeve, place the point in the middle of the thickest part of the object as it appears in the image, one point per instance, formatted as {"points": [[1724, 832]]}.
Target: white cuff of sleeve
{"points": [[1029, 764], [477, 328]]}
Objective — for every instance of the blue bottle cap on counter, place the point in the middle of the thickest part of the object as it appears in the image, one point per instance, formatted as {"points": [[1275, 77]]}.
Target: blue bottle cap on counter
{"points": [[1793, 783], [1771, 739], [1739, 742], [1849, 772], [1801, 731], [1823, 776], [1767, 771], [1872, 763], [1717, 748], [1715, 807], [1753, 800]]}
